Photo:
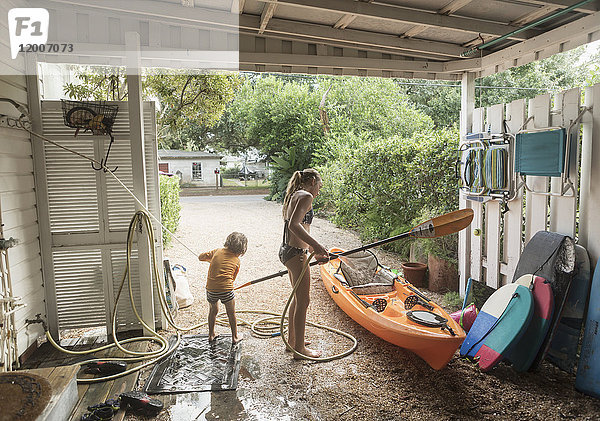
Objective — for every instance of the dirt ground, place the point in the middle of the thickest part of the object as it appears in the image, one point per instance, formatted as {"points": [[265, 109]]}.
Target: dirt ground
{"points": [[377, 381]]}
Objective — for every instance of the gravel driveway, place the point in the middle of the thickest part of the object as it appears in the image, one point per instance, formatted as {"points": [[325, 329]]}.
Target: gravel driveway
{"points": [[378, 381]]}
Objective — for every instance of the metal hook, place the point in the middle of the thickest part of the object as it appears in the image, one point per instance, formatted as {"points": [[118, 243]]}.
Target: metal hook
{"points": [[105, 160]]}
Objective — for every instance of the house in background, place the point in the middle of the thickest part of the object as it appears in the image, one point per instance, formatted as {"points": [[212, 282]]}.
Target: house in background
{"points": [[252, 163], [192, 167]]}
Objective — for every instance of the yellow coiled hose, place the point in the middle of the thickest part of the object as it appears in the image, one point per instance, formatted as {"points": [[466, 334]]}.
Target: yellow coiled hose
{"points": [[259, 327]]}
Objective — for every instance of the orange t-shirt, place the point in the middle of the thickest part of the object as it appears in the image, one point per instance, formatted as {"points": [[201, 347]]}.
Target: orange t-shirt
{"points": [[224, 267]]}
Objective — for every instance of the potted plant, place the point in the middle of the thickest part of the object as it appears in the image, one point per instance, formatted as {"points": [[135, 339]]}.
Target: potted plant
{"points": [[442, 257]]}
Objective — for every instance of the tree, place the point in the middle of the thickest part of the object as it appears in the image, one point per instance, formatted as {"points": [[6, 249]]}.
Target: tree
{"points": [[186, 103], [441, 100]]}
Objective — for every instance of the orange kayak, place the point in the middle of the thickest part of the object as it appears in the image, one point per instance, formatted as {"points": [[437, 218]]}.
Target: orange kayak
{"points": [[403, 316]]}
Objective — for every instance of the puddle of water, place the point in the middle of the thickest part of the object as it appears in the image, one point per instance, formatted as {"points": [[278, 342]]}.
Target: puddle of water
{"points": [[228, 406], [231, 404], [249, 368]]}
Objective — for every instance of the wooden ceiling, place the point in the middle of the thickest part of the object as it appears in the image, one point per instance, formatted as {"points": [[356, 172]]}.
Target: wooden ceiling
{"points": [[389, 38]]}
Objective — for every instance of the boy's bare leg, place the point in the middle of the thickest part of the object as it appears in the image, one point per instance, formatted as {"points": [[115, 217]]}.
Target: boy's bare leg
{"points": [[212, 317], [230, 308]]}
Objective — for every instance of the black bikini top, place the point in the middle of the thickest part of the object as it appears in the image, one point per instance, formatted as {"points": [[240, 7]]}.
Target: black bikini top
{"points": [[306, 220], [308, 217]]}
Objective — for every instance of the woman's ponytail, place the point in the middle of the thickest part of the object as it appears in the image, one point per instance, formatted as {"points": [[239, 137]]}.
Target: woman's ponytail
{"points": [[296, 181], [293, 185]]}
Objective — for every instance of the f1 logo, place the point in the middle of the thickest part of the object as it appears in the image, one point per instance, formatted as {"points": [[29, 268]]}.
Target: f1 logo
{"points": [[27, 26]]}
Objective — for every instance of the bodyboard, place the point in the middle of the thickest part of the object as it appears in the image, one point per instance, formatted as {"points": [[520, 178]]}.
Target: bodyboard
{"points": [[551, 256], [502, 320], [525, 350], [564, 345], [588, 369]]}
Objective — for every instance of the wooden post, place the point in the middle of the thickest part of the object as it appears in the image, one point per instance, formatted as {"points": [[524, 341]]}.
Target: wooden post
{"points": [[513, 219], [136, 130], [589, 229], [563, 210], [495, 118], [41, 196], [466, 121]]}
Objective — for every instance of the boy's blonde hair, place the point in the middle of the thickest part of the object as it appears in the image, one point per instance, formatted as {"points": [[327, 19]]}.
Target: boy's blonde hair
{"points": [[236, 243]]}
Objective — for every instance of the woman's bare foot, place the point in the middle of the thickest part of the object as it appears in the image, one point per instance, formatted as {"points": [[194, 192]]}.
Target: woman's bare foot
{"points": [[308, 352], [236, 340], [211, 338], [290, 347]]}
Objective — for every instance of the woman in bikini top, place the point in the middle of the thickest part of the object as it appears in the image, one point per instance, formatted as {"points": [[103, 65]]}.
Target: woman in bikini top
{"points": [[302, 188]]}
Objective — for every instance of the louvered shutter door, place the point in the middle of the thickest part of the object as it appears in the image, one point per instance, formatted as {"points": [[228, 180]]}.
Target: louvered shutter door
{"points": [[89, 218]]}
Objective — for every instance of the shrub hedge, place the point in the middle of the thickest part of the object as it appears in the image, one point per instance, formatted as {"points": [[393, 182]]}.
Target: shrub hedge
{"points": [[380, 187], [169, 205]]}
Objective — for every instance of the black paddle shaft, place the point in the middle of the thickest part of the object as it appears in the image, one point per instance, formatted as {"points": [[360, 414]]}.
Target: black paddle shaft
{"points": [[335, 256]]}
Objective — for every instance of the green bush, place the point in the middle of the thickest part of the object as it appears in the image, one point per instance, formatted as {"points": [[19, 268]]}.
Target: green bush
{"points": [[233, 171], [381, 186], [169, 205]]}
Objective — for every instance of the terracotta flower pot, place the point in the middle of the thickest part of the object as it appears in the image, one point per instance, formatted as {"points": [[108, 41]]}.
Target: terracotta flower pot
{"points": [[414, 272], [443, 275]]}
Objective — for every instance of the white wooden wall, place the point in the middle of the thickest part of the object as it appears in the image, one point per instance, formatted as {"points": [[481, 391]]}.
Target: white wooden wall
{"points": [[492, 256], [17, 197]]}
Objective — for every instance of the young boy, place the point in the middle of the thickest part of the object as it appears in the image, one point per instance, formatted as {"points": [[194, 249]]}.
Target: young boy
{"points": [[224, 267]]}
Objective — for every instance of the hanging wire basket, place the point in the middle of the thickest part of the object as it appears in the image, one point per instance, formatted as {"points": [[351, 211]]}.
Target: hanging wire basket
{"points": [[95, 116]]}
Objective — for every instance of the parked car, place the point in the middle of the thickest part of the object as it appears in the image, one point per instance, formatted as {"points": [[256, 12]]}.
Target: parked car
{"points": [[247, 174]]}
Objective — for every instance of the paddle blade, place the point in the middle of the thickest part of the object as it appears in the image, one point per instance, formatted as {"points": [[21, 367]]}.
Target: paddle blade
{"points": [[443, 225]]}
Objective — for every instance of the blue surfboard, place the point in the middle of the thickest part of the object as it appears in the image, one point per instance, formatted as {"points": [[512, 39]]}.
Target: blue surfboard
{"points": [[524, 351], [588, 369], [563, 348], [499, 325]]}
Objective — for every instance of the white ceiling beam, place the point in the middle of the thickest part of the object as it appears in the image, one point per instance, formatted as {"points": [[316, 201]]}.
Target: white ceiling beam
{"points": [[327, 33], [448, 9], [149, 9], [414, 31], [266, 15], [342, 44], [411, 16], [453, 6], [344, 21], [563, 4], [341, 62], [533, 16], [237, 6]]}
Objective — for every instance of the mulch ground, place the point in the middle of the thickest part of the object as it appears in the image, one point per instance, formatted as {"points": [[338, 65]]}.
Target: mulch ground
{"points": [[378, 381]]}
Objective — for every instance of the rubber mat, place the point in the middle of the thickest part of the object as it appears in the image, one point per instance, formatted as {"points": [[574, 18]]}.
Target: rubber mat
{"points": [[197, 366]]}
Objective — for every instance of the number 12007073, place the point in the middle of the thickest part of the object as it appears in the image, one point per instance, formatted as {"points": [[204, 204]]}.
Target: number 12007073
{"points": [[45, 48]]}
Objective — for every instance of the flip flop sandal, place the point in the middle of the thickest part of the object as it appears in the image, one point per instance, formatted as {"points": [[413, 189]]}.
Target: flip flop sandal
{"points": [[106, 367], [141, 402], [104, 413], [114, 404]]}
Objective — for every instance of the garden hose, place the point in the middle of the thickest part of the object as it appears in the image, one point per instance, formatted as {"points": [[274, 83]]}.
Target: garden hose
{"points": [[152, 357], [331, 329]]}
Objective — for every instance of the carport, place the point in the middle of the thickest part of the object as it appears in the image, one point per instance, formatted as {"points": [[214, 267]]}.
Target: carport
{"points": [[434, 39]]}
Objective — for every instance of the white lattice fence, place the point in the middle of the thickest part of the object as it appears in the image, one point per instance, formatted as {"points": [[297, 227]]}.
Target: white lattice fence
{"points": [[492, 256]]}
